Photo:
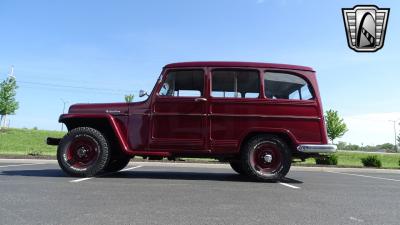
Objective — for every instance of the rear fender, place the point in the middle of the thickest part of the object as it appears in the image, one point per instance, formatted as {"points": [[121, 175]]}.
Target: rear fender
{"points": [[284, 133]]}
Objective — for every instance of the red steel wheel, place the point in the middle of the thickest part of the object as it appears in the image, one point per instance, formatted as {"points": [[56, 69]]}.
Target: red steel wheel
{"points": [[84, 152], [266, 158]]}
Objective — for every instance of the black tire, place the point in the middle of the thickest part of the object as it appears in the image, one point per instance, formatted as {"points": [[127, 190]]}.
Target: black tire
{"points": [[83, 152], [117, 164], [237, 167], [266, 158]]}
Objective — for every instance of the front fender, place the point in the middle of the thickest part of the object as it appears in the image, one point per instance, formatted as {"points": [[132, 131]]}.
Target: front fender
{"points": [[72, 120]]}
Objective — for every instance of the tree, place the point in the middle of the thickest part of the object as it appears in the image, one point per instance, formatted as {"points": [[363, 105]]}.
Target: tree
{"points": [[129, 98], [386, 146], [8, 104], [336, 128]]}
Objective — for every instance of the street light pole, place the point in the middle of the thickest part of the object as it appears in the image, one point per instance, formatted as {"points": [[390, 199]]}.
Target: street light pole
{"points": [[395, 133], [63, 111]]}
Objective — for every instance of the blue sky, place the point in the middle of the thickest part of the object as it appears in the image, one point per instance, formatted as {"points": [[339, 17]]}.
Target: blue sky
{"points": [[114, 48]]}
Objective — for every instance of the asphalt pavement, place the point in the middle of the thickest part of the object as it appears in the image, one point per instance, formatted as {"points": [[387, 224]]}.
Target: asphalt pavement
{"points": [[38, 192]]}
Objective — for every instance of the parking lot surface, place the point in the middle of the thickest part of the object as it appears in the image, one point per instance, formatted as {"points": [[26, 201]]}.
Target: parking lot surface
{"points": [[38, 192]]}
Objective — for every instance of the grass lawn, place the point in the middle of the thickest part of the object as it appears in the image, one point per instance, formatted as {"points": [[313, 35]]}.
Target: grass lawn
{"points": [[27, 142], [32, 142], [353, 159]]}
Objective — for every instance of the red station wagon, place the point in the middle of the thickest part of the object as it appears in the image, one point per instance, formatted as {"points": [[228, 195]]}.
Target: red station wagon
{"points": [[256, 116]]}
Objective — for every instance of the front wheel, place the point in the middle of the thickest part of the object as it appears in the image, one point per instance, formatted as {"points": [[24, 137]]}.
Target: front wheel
{"points": [[83, 152], [266, 158]]}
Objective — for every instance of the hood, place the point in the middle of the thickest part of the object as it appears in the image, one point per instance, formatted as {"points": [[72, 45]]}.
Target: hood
{"points": [[120, 108]]}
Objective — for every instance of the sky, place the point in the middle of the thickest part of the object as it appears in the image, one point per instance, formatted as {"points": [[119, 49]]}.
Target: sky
{"points": [[98, 51]]}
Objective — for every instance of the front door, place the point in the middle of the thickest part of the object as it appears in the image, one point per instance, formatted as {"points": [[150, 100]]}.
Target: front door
{"points": [[178, 120]]}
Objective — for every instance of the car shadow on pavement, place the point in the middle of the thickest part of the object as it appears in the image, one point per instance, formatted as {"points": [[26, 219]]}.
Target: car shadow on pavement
{"points": [[34, 173], [168, 175], [164, 175]]}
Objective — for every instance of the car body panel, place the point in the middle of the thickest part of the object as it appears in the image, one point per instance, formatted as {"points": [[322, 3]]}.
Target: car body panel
{"points": [[165, 125]]}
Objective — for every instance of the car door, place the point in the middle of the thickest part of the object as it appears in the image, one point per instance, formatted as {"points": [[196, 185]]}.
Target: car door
{"points": [[234, 102], [178, 120]]}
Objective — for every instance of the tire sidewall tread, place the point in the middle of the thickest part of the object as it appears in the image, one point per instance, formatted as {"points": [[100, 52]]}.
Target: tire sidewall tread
{"points": [[250, 146], [102, 160]]}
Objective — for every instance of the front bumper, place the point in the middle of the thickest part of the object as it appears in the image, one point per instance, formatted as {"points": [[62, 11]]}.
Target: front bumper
{"points": [[317, 148], [53, 141]]}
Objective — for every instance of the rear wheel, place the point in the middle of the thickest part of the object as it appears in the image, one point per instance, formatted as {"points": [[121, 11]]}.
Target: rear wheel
{"points": [[266, 158], [83, 152], [117, 164]]}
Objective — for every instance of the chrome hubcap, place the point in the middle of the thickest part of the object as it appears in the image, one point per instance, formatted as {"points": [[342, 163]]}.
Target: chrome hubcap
{"points": [[82, 152], [267, 158]]}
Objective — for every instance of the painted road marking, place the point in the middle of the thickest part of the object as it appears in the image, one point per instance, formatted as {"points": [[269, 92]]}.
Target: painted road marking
{"points": [[25, 164], [289, 185], [88, 178], [79, 180], [360, 175], [356, 219], [131, 168]]}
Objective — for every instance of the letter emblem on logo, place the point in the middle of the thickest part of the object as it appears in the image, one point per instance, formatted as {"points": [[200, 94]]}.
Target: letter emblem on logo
{"points": [[365, 27]]}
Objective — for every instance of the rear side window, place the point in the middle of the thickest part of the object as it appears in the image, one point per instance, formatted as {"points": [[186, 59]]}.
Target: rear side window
{"points": [[235, 84], [183, 83], [286, 86]]}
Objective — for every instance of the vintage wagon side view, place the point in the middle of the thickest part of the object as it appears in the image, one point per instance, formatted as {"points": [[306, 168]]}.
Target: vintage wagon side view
{"points": [[256, 116]]}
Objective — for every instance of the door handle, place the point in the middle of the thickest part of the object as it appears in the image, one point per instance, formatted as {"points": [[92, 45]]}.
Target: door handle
{"points": [[200, 99]]}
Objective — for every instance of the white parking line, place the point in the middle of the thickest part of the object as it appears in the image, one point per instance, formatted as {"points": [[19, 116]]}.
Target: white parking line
{"points": [[356, 219], [289, 185], [25, 164], [360, 175], [131, 168], [88, 178], [81, 179]]}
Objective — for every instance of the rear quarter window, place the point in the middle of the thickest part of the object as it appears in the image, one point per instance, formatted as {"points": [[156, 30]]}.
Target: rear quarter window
{"points": [[281, 85]]}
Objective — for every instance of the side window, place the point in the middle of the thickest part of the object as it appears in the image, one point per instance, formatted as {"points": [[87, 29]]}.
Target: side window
{"points": [[235, 84], [286, 86], [183, 83]]}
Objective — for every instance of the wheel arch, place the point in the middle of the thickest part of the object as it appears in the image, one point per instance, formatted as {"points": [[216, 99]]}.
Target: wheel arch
{"points": [[106, 124], [283, 134]]}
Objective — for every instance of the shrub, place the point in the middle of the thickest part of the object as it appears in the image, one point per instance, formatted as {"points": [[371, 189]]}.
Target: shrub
{"points": [[33, 152], [371, 161], [327, 160]]}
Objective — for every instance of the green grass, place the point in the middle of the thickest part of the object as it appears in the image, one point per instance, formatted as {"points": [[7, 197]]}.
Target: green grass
{"points": [[353, 159], [27, 142], [32, 142]]}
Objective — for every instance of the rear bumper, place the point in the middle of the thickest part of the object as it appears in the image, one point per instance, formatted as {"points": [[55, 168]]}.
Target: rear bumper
{"points": [[53, 141], [317, 148]]}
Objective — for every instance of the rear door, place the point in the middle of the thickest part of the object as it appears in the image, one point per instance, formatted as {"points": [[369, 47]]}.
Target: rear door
{"points": [[234, 103]]}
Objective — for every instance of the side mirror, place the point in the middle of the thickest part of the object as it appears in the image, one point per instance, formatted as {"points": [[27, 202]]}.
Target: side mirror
{"points": [[143, 93]]}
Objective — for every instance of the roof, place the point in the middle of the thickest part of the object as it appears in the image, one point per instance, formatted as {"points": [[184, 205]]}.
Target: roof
{"points": [[237, 64]]}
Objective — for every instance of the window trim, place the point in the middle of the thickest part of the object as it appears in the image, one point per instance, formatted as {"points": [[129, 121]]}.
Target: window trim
{"points": [[260, 87], [311, 88], [165, 77]]}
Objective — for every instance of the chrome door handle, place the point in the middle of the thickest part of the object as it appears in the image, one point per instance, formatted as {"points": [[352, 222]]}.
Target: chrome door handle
{"points": [[200, 99]]}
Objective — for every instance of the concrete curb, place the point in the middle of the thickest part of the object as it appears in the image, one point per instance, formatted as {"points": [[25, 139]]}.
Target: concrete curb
{"points": [[216, 165]]}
